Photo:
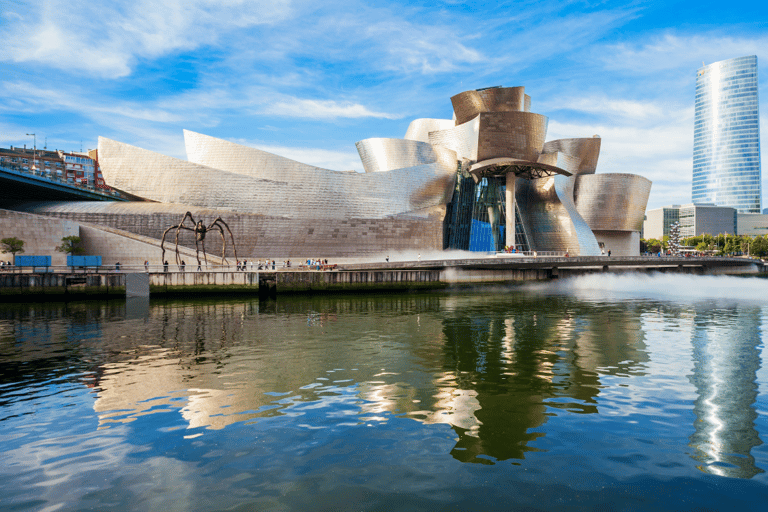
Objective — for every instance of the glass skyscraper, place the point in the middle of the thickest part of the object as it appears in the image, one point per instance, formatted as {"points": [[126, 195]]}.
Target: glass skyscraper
{"points": [[726, 136]]}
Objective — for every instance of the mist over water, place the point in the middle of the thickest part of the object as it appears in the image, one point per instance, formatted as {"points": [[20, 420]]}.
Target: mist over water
{"points": [[671, 286]]}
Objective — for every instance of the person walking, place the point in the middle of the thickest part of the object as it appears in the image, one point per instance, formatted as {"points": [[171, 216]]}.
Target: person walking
{"points": [[165, 266]]}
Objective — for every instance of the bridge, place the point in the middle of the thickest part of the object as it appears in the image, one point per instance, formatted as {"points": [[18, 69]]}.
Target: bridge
{"points": [[20, 185]]}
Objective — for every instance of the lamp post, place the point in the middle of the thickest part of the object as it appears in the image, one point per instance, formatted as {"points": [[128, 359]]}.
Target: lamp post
{"points": [[34, 151]]}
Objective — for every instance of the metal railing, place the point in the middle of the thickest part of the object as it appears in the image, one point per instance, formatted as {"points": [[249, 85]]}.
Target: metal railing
{"points": [[157, 268], [55, 178]]}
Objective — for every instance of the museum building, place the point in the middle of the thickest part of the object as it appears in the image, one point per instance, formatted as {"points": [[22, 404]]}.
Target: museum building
{"points": [[484, 181]]}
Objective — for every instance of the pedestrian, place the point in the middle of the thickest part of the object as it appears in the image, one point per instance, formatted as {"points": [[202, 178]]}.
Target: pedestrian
{"points": [[117, 267], [609, 253], [419, 257], [146, 265], [273, 264], [387, 258], [165, 266], [183, 265], [199, 269]]}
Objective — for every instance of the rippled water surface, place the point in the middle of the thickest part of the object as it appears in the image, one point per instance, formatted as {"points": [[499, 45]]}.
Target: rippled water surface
{"points": [[605, 393]]}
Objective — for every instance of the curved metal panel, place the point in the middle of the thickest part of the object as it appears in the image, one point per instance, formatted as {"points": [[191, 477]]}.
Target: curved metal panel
{"points": [[379, 154], [518, 135], [466, 105], [583, 153], [551, 219], [301, 192], [419, 129], [612, 202], [228, 156], [462, 139]]}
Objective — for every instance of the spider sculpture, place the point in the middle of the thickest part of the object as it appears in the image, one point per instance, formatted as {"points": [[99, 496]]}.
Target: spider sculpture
{"points": [[200, 230]]}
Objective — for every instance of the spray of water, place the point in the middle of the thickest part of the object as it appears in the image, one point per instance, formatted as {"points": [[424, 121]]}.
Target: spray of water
{"points": [[661, 286]]}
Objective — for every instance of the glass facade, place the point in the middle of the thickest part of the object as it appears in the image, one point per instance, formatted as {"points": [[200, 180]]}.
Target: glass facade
{"points": [[726, 147]]}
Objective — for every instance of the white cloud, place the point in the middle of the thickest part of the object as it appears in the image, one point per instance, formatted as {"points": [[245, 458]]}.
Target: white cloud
{"points": [[671, 52], [322, 109], [628, 110], [107, 39]]}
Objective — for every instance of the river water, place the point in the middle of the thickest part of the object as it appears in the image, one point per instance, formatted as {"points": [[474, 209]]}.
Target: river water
{"points": [[602, 392]]}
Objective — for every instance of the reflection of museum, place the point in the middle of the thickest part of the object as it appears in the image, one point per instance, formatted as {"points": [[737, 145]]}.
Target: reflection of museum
{"points": [[485, 180]]}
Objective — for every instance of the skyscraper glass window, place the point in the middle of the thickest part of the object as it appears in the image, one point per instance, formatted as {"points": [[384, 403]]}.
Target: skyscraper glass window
{"points": [[726, 136]]}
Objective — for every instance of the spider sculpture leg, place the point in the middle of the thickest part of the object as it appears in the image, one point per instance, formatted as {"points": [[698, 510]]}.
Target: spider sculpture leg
{"points": [[162, 242], [181, 226], [220, 222], [223, 240]]}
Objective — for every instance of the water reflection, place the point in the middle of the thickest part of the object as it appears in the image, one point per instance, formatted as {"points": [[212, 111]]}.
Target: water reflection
{"points": [[494, 368], [726, 360], [521, 362]]}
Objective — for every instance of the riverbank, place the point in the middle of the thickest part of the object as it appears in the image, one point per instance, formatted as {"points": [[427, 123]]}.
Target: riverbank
{"points": [[355, 277]]}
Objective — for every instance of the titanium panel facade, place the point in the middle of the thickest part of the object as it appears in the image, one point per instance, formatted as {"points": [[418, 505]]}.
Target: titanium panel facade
{"points": [[612, 202], [726, 138], [419, 129], [301, 192], [584, 153], [379, 155], [511, 134], [550, 216], [462, 139], [468, 104]]}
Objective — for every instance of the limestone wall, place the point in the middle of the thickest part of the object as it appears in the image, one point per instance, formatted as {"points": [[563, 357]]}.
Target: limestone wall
{"points": [[41, 235], [259, 237]]}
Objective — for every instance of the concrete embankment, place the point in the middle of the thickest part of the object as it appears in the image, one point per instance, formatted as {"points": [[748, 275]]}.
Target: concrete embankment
{"points": [[362, 277]]}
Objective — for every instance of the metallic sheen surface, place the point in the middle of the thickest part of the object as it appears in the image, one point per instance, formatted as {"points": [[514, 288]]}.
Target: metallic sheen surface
{"points": [[469, 104], [582, 153], [419, 129], [380, 154], [248, 180], [551, 219], [613, 202], [726, 138], [511, 134]]}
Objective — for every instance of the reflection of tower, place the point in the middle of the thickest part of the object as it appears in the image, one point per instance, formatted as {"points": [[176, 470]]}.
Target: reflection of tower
{"points": [[726, 360]]}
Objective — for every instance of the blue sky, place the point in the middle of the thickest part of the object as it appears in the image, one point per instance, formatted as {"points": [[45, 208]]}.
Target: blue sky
{"points": [[307, 80]]}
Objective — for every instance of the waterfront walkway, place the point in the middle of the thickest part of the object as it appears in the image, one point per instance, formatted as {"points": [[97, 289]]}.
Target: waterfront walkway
{"points": [[65, 282]]}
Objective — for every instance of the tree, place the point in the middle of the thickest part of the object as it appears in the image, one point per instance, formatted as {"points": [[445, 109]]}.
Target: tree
{"points": [[12, 245], [69, 245]]}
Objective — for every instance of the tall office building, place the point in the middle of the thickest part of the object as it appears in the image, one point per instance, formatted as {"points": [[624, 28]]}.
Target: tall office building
{"points": [[726, 136]]}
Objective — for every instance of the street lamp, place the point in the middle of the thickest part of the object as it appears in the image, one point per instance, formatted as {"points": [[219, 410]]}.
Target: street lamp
{"points": [[34, 151]]}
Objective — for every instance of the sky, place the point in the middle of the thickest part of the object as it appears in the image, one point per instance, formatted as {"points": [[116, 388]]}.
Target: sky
{"points": [[306, 80]]}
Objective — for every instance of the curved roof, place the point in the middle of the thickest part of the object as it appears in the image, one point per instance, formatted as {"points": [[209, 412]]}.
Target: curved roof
{"points": [[468, 104], [380, 154], [419, 129], [299, 191], [583, 153]]}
